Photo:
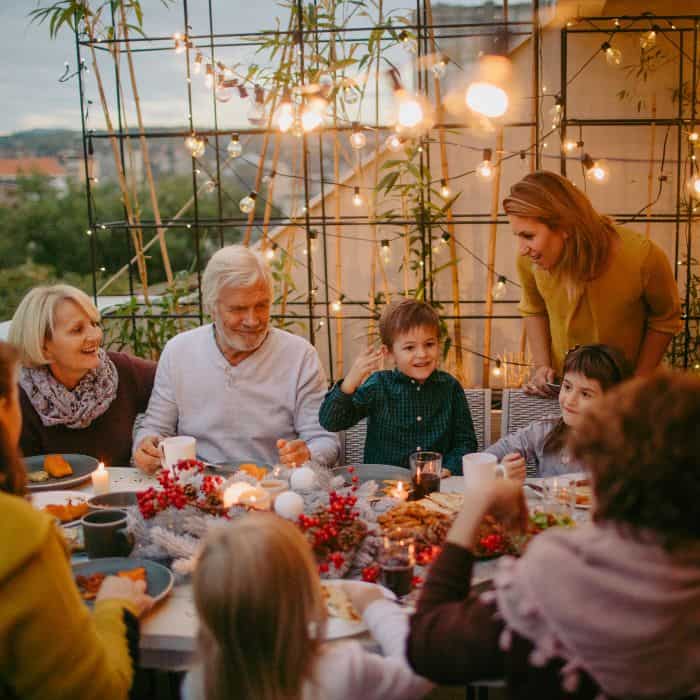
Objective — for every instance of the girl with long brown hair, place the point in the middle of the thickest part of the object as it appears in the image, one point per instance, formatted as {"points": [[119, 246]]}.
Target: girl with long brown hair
{"points": [[262, 619], [585, 280]]}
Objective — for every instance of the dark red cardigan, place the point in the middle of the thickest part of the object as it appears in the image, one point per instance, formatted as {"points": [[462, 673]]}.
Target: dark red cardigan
{"points": [[108, 438]]}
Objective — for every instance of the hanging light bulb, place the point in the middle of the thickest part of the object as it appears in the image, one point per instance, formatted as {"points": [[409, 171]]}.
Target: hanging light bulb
{"points": [[557, 112], [612, 55], [596, 171], [693, 136], [209, 186], [195, 145], [408, 43], [269, 177], [271, 252], [385, 251], [648, 40], [313, 240], [256, 113], [357, 138], [247, 204], [357, 197], [351, 94], [569, 145], [234, 148], [439, 68], [499, 288], [441, 243], [224, 90], [485, 169], [179, 43], [197, 66], [487, 96], [285, 113], [337, 305], [312, 114], [209, 75], [444, 189], [497, 369], [394, 142], [694, 186], [410, 110]]}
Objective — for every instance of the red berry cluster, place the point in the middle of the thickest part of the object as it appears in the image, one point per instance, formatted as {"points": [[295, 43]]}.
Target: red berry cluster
{"points": [[492, 544], [334, 530], [426, 553], [172, 493], [371, 573]]}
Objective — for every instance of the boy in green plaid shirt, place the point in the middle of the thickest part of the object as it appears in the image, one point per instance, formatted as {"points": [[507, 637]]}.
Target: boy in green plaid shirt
{"points": [[413, 407]]}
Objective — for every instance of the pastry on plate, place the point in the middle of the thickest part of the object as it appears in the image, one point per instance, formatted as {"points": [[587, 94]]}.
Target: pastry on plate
{"points": [[338, 604], [57, 467]]}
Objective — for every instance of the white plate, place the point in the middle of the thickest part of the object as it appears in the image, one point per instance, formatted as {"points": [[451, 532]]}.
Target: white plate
{"points": [[41, 499], [336, 628]]}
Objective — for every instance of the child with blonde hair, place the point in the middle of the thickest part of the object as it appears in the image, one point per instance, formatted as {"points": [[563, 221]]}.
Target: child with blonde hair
{"points": [[262, 621]]}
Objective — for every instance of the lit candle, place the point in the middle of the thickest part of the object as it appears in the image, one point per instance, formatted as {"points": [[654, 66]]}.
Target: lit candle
{"points": [[399, 492], [274, 486], [233, 493], [100, 480], [256, 499]]}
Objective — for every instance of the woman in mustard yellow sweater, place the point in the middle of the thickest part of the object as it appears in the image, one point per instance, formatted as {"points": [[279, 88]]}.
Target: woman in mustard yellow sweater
{"points": [[51, 647], [586, 281]]}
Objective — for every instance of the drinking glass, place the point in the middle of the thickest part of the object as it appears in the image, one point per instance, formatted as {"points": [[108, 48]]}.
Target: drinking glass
{"points": [[425, 472], [559, 495], [396, 561]]}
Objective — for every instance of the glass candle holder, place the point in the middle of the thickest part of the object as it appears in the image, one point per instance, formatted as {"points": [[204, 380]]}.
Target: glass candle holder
{"points": [[426, 468], [396, 561]]}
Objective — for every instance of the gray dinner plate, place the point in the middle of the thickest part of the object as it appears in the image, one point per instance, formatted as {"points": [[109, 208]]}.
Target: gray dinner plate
{"points": [[82, 465], [115, 499], [377, 472], [159, 579]]}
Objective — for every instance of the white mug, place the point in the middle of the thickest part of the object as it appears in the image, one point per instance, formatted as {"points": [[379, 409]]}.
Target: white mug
{"points": [[173, 449], [480, 468]]}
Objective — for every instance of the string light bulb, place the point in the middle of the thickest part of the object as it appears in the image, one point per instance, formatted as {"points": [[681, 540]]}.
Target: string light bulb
{"points": [[394, 142], [337, 305], [410, 110], [209, 75], [694, 186], [408, 43], [247, 204], [444, 189], [439, 68], [596, 171], [385, 251], [313, 240], [271, 252], [197, 66], [195, 145], [569, 145], [256, 113], [693, 136], [179, 43], [285, 113], [485, 169], [357, 137], [499, 288], [557, 112], [350, 94], [497, 369], [357, 197], [234, 147], [487, 96], [224, 91], [612, 55], [312, 114], [648, 40]]}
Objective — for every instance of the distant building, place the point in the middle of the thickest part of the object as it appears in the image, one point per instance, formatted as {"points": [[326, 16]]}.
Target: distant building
{"points": [[12, 169]]}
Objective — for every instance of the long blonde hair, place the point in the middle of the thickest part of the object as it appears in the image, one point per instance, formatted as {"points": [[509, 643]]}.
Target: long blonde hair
{"points": [[556, 202], [261, 610]]}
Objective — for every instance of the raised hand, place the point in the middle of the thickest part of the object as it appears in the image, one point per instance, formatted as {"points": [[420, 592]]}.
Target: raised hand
{"points": [[367, 362]]}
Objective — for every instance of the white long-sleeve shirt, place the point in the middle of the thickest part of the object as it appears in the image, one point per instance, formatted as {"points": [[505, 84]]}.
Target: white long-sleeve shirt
{"points": [[346, 671], [237, 413]]}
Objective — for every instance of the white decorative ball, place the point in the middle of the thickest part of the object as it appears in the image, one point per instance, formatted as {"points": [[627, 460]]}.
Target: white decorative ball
{"points": [[289, 505], [302, 479]]}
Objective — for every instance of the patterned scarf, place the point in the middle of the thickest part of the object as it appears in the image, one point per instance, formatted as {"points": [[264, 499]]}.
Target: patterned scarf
{"points": [[621, 608], [57, 405]]}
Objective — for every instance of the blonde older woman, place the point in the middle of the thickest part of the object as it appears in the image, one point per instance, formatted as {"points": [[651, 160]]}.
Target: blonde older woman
{"points": [[245, 391], [75, 397]]}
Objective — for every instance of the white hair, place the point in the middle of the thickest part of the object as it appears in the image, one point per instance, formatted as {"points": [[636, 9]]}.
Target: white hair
{"points": [[232, 266], [33, 322]]}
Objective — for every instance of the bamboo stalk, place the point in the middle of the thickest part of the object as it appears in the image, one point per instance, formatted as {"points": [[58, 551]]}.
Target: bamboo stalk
{"points": [[338, 257], [144, 150], [493, 230], [445, 173], [650, 174], [291, 235]]}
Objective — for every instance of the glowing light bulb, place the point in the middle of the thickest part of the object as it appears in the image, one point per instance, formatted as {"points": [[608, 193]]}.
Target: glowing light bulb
{"points": [[499, 288], [612, 55], [648, 40], [485, 169], [358, 139], [270, 253], [556, 112], [394, 142], [487, 99], [693, 136], [195, 145], [285, 115], [247, 204], [497, 369], [444, 189], [313, 241], [179, 43], [197, 66], [408, 43], [439, 68], [357, 197], [234, 148], [312, 114], [209, 75], [325, 85], [596, 171], [410, 110], [569, 145], [337, 306], [385, 251], [694, 186]]}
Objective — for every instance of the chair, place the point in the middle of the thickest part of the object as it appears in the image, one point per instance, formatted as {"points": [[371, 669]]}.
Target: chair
{"points": [[520, 409], [352, 441]]}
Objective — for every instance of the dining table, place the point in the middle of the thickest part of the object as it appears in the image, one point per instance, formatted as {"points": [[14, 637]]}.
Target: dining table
{"points": [[169, 629]]}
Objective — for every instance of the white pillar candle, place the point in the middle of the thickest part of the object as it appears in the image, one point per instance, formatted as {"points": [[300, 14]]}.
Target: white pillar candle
{"points": [[100, 480], [233, 493], [256, 499]]}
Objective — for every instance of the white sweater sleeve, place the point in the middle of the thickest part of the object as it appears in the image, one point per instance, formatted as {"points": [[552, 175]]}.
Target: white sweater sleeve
{"points": [[310, 390], [162, 412]]}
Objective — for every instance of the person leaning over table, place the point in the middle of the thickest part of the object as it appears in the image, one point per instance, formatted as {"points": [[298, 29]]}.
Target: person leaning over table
{"points": [[415, 406], [609, 609], [245, 391], [51, 646], [585, 280], [75, 397]]}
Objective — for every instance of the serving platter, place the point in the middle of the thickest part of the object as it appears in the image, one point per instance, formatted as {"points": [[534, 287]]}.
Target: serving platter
{"points": [[82, 466]]}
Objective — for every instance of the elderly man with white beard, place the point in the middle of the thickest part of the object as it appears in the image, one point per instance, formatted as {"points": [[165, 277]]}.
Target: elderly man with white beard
{"points": [[244, 390]]}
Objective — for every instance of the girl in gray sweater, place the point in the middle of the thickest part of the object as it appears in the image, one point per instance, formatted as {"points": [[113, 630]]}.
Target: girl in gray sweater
{"points": [[589, 371]]}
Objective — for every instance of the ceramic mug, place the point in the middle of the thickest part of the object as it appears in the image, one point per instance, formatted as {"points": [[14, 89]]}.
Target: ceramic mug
{"points": [[173, 449], [105, 534], [480, 468]]}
